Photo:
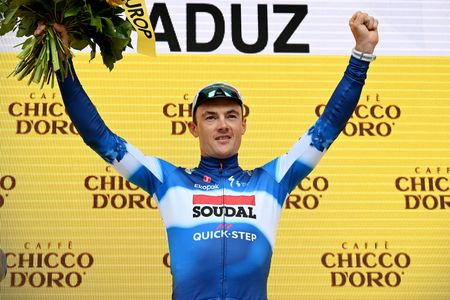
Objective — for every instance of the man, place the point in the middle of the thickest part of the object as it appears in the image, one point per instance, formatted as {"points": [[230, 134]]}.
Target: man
{"points": [[221, 221]]}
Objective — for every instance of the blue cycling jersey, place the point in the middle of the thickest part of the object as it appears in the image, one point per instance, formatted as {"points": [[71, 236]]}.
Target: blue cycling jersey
{"points": [[220, 220]]}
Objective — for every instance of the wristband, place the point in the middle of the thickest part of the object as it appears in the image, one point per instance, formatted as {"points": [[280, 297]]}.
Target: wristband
{"points": [[363, 56]]}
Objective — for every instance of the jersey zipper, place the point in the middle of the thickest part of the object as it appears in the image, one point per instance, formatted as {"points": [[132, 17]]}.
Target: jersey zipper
{"points": [[223, 228]]}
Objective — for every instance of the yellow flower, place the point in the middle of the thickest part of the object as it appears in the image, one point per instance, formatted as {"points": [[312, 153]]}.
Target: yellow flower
{"points": [[115, 3]]}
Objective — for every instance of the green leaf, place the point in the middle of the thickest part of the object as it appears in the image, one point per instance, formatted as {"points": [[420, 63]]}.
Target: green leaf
{"points": [[90, 23], [97, 23], [93, 50], [45, 75], [27, 48], [10, 15], [19, 67], [53, 78], [27, 70], [73, 11], [53, 51], [5, 28], [79, 44], [39, 71], [3, 7], [26, 27], [109, 11], [124, 29], [109, 28]]}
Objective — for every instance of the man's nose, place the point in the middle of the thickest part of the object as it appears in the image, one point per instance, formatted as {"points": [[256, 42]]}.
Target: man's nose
{"points": [[223, 124]]}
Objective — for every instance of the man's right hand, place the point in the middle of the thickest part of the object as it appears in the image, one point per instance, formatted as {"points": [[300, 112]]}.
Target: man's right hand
{"points": [[61, 29]]}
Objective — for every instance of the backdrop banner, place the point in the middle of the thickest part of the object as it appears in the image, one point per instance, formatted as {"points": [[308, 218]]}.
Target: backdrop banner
{"points": [[372, 221]]}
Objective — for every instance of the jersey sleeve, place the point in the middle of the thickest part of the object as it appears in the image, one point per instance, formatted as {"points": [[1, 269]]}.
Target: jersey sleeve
{"points": [[144, 171], [290, 168]]}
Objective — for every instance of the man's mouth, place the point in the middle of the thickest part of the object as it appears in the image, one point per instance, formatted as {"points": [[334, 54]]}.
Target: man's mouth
{"points": [[223, 138]]}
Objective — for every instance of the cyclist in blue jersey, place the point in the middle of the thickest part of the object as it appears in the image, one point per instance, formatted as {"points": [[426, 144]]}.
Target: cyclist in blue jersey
{"points": [[220, 220]]}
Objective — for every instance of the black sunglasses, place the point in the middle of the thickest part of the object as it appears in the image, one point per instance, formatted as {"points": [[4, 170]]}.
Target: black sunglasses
{"points": [[218, 90], [213, 91]]}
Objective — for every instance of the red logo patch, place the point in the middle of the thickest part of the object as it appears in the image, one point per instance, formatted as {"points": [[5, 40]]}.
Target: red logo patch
{"points": [[224, 200], [206, 179]]}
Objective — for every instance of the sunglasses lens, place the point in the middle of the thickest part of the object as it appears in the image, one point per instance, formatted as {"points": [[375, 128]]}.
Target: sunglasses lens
{"points": [[218, 90]]}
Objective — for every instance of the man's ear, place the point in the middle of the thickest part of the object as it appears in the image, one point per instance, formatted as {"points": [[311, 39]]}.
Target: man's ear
{"points": [[193, 128], [244, 125]]}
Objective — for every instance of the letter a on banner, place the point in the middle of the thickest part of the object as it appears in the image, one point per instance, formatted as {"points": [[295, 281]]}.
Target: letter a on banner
{"points": [[137, 13]]}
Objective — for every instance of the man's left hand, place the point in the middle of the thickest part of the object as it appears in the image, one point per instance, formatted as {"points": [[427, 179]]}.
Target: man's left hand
{"points": [[365, 31]]}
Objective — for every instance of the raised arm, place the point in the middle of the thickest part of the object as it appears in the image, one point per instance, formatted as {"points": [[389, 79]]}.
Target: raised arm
{"points": [[88, 122], [82, 111], [346, 95], [310, 148], [145, 171]]}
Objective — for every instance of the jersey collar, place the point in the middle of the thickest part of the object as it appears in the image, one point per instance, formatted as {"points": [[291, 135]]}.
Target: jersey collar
{"points": [[215, 164]]}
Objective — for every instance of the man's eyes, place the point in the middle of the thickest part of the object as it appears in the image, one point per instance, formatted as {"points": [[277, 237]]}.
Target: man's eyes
{"points": [[212, 117]]}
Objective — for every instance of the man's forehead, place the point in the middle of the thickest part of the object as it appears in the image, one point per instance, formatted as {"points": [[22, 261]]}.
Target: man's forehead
{"points": [[222, 104]]}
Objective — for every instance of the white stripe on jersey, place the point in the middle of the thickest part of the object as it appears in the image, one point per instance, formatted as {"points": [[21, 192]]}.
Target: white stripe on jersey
{"points": [[133, 160], [303, 152]]}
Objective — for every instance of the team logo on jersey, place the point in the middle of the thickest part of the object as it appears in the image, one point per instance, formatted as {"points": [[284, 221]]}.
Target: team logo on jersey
{"points": [[226, 205], [206, 179], [237, 183], [207, 187]]}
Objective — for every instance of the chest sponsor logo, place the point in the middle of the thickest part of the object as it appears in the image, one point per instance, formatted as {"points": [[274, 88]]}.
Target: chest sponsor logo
{"points": [[237, 183], [226, 205], [208, 187]]}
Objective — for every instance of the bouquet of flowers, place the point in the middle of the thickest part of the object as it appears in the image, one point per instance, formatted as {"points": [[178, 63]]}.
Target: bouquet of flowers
{"points": [[88, 23]]}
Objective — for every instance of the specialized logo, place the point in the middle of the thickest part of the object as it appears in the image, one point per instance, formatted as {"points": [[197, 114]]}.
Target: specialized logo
{"points": [[235, 182], [226, 205]]}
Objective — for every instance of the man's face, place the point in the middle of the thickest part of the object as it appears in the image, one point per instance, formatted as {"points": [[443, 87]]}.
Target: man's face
{"points": [[219, 128]]}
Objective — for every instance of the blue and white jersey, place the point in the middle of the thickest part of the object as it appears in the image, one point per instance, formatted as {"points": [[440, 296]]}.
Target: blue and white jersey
{"points": [[221, 221]]}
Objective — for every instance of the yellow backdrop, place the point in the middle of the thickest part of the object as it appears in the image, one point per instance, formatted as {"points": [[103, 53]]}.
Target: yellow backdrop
{"points": [[372, 221]]}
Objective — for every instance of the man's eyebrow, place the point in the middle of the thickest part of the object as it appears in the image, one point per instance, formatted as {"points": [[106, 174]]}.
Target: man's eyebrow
{"points": [[232, 111], [208, 112]]}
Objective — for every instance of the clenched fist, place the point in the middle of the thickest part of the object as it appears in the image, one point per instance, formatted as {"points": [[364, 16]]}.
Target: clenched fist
{"points": [[365, 31]]}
